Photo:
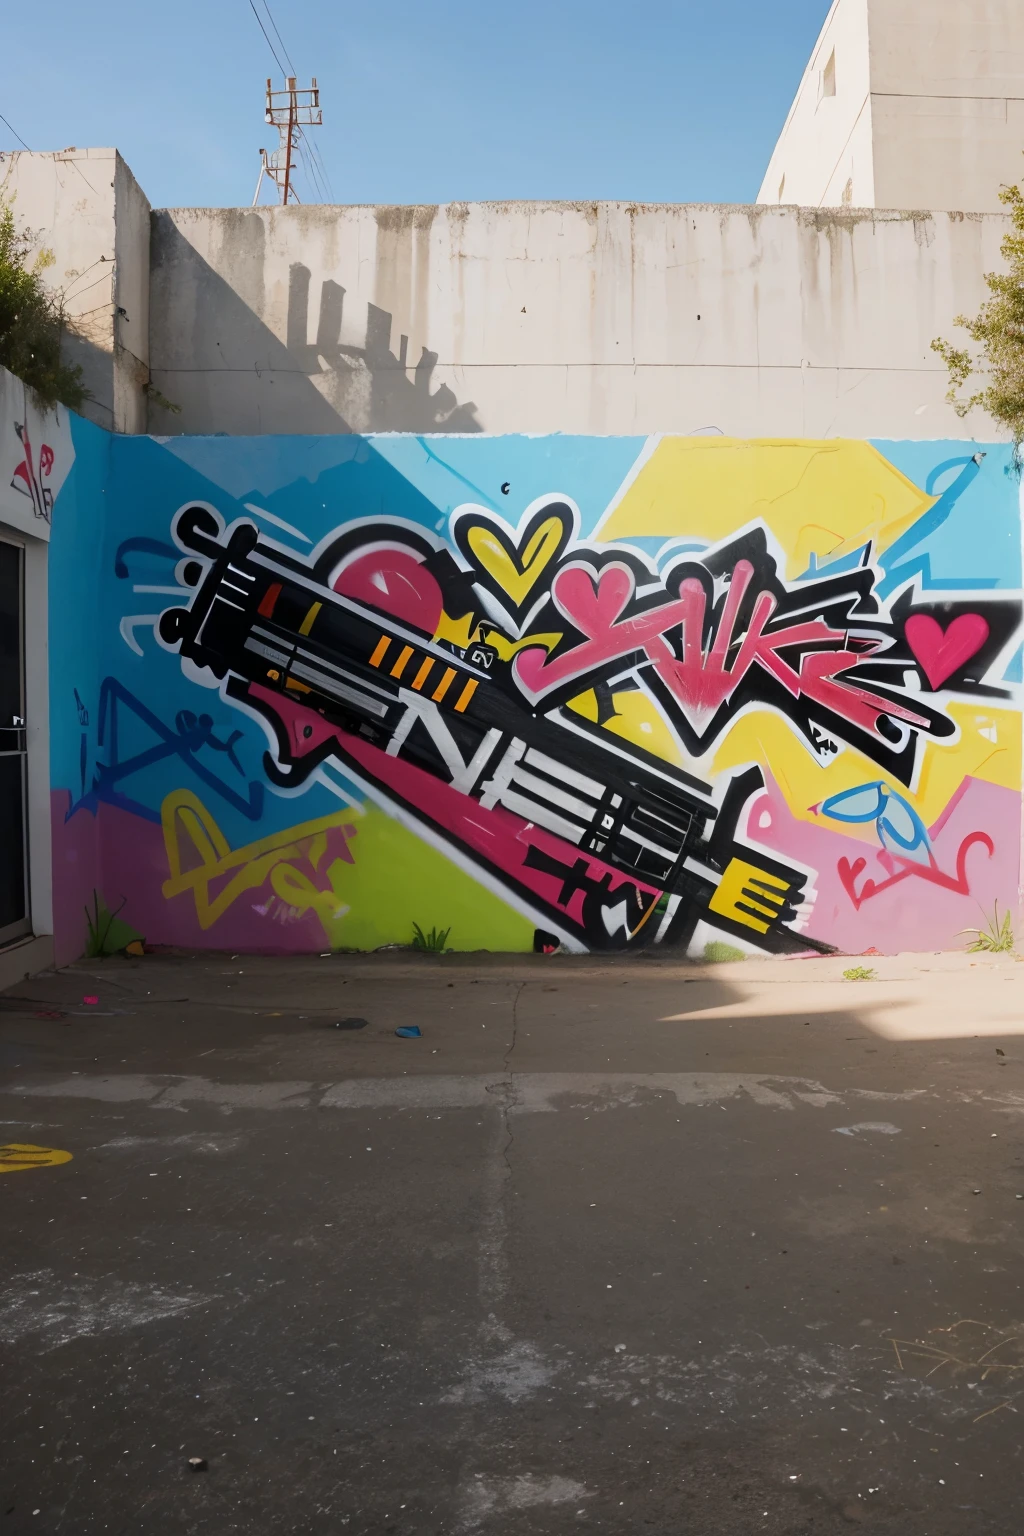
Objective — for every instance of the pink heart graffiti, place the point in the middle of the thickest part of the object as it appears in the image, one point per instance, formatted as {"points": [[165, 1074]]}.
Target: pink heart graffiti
{"points": [[593, 607], [940, 654]]}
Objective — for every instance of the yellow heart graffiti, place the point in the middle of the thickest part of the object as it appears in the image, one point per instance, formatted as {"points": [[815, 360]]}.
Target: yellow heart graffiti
{"points": [[18, 1155], [513, 575]]}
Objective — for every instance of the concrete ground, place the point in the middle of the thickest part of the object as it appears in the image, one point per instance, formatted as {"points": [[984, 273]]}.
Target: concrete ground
{"points": [[624, 1247]]}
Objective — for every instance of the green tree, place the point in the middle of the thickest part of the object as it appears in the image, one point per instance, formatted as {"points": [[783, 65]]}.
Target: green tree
{"points": [[33, 320], [998, 330]]}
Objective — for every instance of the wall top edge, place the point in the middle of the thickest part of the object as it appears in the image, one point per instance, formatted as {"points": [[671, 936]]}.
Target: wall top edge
{"points": [[71, 152], [838, 213], [708, 441]]}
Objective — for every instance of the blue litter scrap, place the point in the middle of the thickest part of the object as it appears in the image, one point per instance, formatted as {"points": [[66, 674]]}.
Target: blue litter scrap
{"points": [[409, 1031]]}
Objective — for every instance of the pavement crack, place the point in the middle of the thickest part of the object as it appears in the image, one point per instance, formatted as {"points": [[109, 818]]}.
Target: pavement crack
{"points": [[509, 1098]]}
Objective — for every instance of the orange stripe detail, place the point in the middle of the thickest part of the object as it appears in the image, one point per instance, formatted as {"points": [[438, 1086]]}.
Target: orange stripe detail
{"points": [[422, 674], [380, 652], [465, 696], [403, 657], [445, 683], [270, 597], [298, 687]]}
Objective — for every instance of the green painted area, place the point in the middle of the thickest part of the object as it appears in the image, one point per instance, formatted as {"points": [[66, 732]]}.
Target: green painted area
{"points": [[398, 880], [717, 952]]}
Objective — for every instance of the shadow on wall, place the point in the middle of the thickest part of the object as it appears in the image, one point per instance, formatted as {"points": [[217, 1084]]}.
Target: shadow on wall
{"points": [[372, 380], [212, 355]]}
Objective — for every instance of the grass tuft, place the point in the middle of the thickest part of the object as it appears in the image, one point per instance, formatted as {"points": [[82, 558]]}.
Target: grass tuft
{"points": [[436, 941], [996, 938]]}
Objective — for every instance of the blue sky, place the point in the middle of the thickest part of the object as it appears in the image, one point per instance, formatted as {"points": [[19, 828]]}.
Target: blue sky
{"points": [[663, 100]]}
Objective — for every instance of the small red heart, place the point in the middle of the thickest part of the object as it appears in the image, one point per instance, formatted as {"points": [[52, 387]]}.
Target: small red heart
{"points": [[941, 654], [848, 874]]}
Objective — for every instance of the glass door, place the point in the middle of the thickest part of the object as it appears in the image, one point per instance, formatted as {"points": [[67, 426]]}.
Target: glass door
{"points": [[14, 908]]}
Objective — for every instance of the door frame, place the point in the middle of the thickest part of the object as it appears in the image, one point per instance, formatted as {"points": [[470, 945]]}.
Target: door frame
{"points": [[37, 715]]}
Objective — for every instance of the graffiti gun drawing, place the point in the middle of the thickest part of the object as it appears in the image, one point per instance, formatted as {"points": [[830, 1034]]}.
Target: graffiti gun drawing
{"points": [[595, 838]]}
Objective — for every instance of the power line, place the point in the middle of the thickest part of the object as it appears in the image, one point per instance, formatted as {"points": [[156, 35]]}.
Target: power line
{"points": [[280, 39], [315, 148], [306, 151], [17, 135], [270, 45]]}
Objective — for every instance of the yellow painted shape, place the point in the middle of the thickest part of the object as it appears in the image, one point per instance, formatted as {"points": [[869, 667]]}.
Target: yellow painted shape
{"points": [[16, 1156], [456, 631], [736, 885], [765, 738], [516, 577], [822, 498], [506, 649], [380, 650], [310, 619], [638, 720], [189, 829], [298, 890], [465, 696], [584, 704], [975, 755], [362, 904]]}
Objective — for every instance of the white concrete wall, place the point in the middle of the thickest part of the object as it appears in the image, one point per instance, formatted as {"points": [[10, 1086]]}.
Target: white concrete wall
{"points": [[824, 154], [928, 112], [947, 101], [86, 207], [531, 317], [130, 319]]}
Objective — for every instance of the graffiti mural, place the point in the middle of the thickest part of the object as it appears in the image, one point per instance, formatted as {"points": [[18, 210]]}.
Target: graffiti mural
{"points": [[709, 690]]}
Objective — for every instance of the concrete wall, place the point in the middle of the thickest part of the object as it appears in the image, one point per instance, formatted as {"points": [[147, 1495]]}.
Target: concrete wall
{"points": [[602, 692], [525, 317], [86, 207], [928, 110], [824, 154]]}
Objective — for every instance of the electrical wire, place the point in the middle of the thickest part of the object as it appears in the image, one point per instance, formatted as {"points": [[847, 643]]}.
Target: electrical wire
{"points": [[312, 158], [280, 39], [305, 153], [304, 158], [323, 169], [17, 135], [270, 45]]}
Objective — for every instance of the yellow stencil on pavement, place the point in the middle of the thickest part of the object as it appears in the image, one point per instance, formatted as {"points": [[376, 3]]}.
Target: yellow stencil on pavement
{"points": [[17, 1155]]}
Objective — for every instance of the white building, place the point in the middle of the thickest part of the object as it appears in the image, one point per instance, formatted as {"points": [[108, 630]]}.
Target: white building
{"points": [[906, 105]]}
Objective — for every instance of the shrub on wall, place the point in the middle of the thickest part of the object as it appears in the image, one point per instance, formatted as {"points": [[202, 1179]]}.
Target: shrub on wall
{"points": [[998, 329], [33, 321]]}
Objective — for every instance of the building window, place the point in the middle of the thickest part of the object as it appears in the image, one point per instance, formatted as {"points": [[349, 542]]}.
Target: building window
{"points": [[828, 76]]}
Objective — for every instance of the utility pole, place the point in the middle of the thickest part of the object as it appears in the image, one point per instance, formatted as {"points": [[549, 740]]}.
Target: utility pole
{"points": [[289, 111]]}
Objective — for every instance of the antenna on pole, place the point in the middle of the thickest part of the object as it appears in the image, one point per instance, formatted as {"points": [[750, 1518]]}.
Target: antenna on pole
{"points": [[289, 111]]}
